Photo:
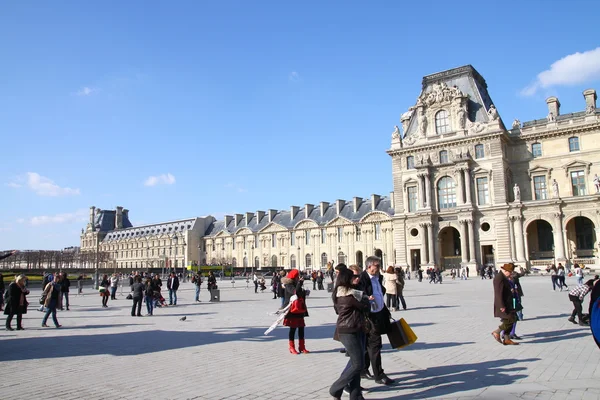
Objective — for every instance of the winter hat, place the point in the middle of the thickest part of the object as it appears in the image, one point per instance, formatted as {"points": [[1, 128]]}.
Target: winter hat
{"points": [[293, 274]]}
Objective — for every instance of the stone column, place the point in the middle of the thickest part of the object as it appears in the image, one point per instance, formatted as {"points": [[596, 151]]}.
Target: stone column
{"points": [[519, 238], [424, 259], [426, 176], [463, 241], [559, 242], [471, 241], [511, 236], [459, 187], [420, 202], [467, 175], [430, 243]]}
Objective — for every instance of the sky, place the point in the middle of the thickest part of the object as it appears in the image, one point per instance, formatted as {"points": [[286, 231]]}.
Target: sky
{"points": [[177, 109]]}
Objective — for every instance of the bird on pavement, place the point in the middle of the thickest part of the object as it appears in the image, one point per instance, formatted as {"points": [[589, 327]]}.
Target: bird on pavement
{"points": [[182, 318]]}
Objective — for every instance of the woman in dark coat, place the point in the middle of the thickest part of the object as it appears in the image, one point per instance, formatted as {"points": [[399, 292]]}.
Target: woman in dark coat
{"points": [[105, 284], [292, 284], [16, 303]]}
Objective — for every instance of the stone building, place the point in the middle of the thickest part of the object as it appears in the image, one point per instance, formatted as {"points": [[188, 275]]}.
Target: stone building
{"points": [[468, 191]]}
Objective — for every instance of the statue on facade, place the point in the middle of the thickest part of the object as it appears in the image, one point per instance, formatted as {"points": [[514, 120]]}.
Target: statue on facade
{"points": [[551, 117], [396, 133], [555, 189], [461, 114], [492, 113], [597, 183], [590, 109], [422, 122], [517, 193], [456, 92], [516, 124]]}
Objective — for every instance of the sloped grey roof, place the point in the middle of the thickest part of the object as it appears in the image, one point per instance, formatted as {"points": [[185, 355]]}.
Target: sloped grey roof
{"points": [[167, 228], [105, 220], [283, 217]]}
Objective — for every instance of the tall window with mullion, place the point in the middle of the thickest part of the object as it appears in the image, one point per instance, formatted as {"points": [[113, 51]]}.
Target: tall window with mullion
{"points": [[574, 144], [444, 157], [483, 191], [578, 183], [442, 124], [479, 151], [412, 198], [539, 187], [536, 150], [446, 193]]}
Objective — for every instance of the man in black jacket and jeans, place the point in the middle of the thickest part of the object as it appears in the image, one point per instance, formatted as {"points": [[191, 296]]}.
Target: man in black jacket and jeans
{"points": [[371, 284], [173, 285]]}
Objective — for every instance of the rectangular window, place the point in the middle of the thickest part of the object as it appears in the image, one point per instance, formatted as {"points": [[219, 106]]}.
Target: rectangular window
{"points": [[307, 238], [377, 231], [256, 241], [479, 151], [443, 157], [412, 198], [293, 238], [233, 244], [574, 144], [358, 233], [273, 240], [483, 193], [578, 183], [410, 162], [536, 150], [323, 236], [340, 233], [539, 187]]}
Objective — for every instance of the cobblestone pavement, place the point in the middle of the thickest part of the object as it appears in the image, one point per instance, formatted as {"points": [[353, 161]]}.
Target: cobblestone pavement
{"points": [[220, 352]]}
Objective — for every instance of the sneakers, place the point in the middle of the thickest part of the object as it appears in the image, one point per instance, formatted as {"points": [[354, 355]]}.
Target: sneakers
{"points": [[572, 319]]}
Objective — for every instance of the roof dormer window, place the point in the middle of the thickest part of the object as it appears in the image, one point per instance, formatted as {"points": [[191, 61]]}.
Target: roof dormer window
{"points": [[442, 124]]}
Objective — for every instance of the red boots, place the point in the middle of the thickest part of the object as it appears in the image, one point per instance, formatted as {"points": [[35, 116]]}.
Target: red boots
{"points": [[301, 347], [293, 347]]}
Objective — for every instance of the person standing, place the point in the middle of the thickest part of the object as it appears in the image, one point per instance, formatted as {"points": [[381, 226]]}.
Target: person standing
{"points": [[400, 288], [16, 302], [173, 285], [576, 295], [212, 284], [2, 288], [197, 281], [138, 295], [389, 281], [53, 300], [80, 284], [313, 278], [149, 296], [379, 316], [114, 283], [255, 281], [104, 293], [503, 305], [320, 280], [351, 306], [294, 319], [65, 285], [578, 274]]}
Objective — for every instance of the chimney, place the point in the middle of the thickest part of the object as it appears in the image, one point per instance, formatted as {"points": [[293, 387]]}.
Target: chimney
{"points": [[272, 214], [294, 211], [119, 218], [308, 208], [324, 206], [374, 201], [92, 214], [259, 216], [392, 202], [553, 106], [125, 214], [339, 204], [356, 202], [248, 216], [238, 219], [590, 99], [228, 219]]}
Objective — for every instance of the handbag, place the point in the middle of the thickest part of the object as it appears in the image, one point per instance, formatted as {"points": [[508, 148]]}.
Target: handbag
{"points": [[401, 334], [43, 298], [298, 306]]}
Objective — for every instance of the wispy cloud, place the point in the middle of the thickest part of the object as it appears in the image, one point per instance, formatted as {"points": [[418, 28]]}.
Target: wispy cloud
{"points": [[294, 76], [163, 179], [86, 91], [236, 187], [64, 218], [573, 69], [42, 186]]}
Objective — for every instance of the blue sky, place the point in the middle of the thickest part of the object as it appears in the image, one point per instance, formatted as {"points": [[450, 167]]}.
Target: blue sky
{"points": [[236, 106]]}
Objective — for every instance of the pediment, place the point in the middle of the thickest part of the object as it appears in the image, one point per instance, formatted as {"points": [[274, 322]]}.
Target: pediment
{"points": [[243, 231], [306, 224], [375, 216], [539, 170], [272, 228], [577, 164], [222, 233], [339, 221]]}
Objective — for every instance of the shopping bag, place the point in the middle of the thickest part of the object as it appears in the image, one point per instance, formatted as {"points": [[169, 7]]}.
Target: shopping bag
{"points": [[412, 338], [396, 335]]}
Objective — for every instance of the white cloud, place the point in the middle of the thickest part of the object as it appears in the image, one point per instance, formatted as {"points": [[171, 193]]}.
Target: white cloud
{"points": [[570, 70], [14, 185], [163, 179], [43, 186], [294, 76], [77, 216], [86, 91]]}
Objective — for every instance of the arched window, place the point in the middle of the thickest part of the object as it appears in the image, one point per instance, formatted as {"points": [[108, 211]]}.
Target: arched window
{"points": [[308, 259], [274, 261], [256, 262], [293, 261], [444, 157], [479, 152], [341, 257], [323, 259], [446, 189], [442, 124]]}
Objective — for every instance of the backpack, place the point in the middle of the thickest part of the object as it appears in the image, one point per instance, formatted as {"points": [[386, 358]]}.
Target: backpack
{"points": [[298, 306]]}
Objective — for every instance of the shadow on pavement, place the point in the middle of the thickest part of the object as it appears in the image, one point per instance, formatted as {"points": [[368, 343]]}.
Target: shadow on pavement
{"points": [[428, 346], [449, 379], [427, 308], [548, 317], [555, 336]]}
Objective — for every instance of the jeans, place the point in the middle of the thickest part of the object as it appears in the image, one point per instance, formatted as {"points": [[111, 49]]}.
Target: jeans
{"points": [[172, 296], [351, 375], [51, 310], [580, 280], [137, 306], [577, 307], [113, 293], [197, 292], [554, 281], [391, 299], [149, 304], [401, 299], [282, 300], [66, 299], [255, 286]]}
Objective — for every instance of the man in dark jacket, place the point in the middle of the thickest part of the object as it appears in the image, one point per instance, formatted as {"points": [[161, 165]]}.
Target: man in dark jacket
{"points": [[173, 285], [64, 289], [503, 305], [371, 283]]}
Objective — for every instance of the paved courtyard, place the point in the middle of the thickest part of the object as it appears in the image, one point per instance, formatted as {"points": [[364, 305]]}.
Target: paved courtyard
{"points": [[220, 352]]}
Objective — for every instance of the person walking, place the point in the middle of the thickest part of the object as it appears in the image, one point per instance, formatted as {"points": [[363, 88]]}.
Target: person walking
{"points": [[2, 289], [114, 283], [379, 317], [294, 319], [578, 274], [320, 279], [65, 285], [52, 291], [503, 305], [400, 289], [313, 277], [561, 277], [103, 288], [576, 295], [389, 282], [149, 296], [197, 281], [255, 281], [351, 306], [16, 302], [514, 287], [553, 275], [173, 285], [80, 284], [138, 296], [212, 284]]}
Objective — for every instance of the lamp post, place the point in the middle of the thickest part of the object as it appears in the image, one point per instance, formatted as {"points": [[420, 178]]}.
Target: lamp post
{"points": [[252, 259], [96, 272], [223, 262]]}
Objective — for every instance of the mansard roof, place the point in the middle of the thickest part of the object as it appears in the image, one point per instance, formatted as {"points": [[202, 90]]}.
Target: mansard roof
{"points": [[284, 217], [163, 228], [105, 220]]}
